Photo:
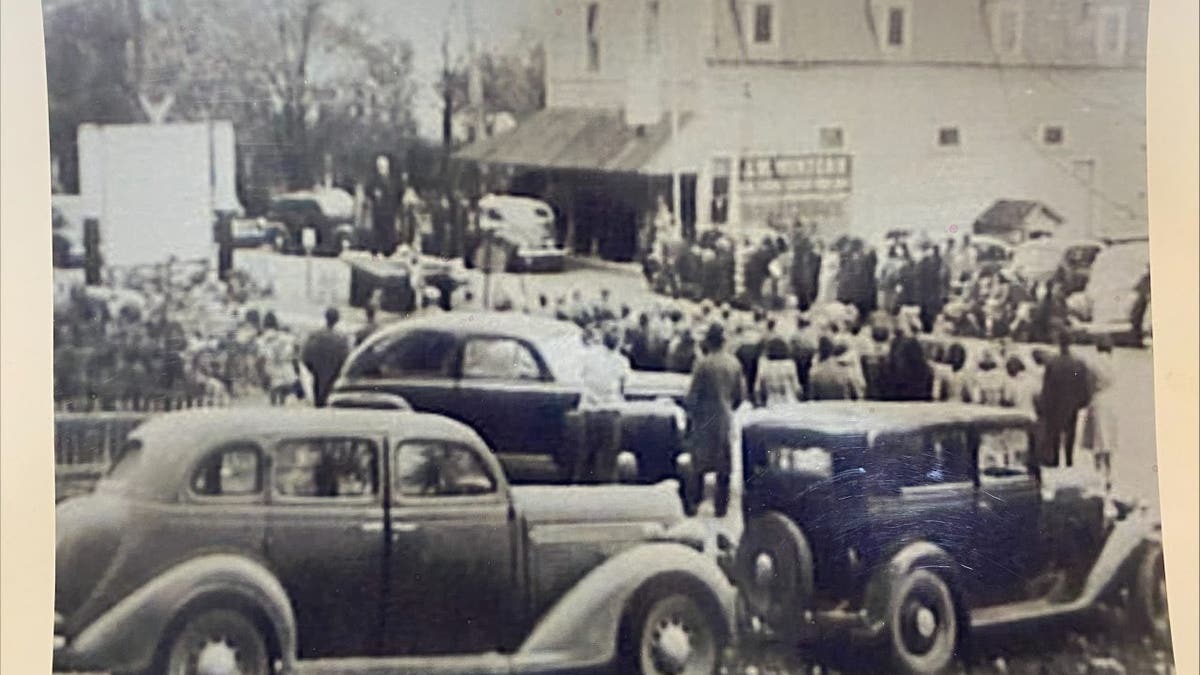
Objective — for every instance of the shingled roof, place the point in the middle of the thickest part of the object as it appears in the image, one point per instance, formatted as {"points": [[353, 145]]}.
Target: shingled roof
{"points": [[575, 138]]}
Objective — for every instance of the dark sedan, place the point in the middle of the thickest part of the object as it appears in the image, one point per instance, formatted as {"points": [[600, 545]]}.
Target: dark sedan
{"points": [[513, 378]]}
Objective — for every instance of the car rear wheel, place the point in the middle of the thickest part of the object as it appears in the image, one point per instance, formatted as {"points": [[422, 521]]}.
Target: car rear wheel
{"points": [[218, 642], [775, 569], [670, 633], [1150, 596], [922, 624]]}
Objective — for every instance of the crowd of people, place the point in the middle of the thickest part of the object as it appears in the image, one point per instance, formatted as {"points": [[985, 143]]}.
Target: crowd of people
{"points": [[948, 282]]}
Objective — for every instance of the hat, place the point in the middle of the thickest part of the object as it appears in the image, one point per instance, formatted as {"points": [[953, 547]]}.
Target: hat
{"points": [[714, 335]]}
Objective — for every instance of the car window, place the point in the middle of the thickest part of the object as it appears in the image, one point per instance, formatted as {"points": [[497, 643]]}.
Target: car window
{"points": [[419, 353], [326, 467], [920, 459], [229, 472], [436, 469], [1003, 453], [499, 358]]}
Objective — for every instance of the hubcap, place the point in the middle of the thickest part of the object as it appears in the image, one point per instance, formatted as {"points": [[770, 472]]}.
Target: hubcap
{"points": [[926, 622], [217, 657], [672, 646], [764, 569]]}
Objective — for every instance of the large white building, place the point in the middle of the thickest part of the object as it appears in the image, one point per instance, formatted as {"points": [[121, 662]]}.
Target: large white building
{"points": [[860, 116]]}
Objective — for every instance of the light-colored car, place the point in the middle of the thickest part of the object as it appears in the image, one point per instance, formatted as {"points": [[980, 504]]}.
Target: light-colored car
{"points": [[233, 541], [1112, 290], [523, 229]]}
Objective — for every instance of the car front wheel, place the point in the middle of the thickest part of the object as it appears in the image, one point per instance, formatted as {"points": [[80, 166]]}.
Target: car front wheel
{"points": [[775, 569], [922, 624], [1150, 596], [218, 642], [670, 633]]}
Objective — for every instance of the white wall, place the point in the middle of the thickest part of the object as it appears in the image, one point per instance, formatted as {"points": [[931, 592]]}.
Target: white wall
{"points": [[890, 117]]}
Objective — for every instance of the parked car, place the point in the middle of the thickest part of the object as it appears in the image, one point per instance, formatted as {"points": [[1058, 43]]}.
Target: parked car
{"points": [[523, 230], [1112, 289], [329, 213], [515, 379], [1068, 260], [914, 525], [232, 541], [251, 232]]}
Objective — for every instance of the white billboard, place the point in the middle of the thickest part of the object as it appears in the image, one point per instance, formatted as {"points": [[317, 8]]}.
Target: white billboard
{"points": [[156, 187]]}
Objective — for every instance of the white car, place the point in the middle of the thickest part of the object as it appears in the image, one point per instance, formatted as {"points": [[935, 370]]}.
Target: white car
{"points": [[523, 229]]}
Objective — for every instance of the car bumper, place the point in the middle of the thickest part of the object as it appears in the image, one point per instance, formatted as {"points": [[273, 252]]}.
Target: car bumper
{"points": [[540, 259]]}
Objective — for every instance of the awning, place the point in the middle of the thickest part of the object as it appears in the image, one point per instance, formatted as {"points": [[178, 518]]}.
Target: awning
{"points": [[574, 138]]}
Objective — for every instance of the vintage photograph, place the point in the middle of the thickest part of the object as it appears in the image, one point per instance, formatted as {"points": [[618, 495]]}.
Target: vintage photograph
{"points": [[664, 337]]}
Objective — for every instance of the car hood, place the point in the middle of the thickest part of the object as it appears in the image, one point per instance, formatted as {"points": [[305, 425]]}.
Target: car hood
{"points": [[542, 504]]}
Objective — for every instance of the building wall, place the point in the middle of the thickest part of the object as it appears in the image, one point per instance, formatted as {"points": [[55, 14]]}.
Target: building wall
{"points": [[828, 69], [890, 119]]}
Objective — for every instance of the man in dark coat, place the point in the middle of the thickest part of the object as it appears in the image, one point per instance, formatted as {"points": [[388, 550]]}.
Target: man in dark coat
{"points": [[383, 195], [1065, 390], [716, 390], [929, 287], [324, 353]]}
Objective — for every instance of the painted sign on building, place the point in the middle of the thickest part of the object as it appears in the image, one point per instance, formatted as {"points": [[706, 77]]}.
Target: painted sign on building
{"points": [[784, 188]]}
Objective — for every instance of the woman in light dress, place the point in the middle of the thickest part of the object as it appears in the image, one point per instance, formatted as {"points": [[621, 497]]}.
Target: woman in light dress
{"points": [[277, 353], [778, 381], [1101, 422]]}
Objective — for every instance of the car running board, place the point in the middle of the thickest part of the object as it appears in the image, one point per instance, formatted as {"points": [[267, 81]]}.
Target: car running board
{"points": [[1125, 540]]}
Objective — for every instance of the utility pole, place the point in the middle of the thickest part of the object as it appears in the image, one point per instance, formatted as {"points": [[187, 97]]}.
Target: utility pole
{"points": [[672, 73], [475, 77]]}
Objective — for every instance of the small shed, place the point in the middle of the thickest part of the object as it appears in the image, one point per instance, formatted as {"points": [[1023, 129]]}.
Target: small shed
{"points": [[1017, 221]]}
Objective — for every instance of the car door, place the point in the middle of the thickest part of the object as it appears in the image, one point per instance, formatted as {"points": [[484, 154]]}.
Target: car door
{"points": [[415, 365], [1010, 545], [515, 404], [921, 489], [453, 582], [326, 540]]}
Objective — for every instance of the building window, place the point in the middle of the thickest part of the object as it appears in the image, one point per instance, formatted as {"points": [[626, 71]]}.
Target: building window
{"points": [[764, 23], [1006, 28], [948, 137], [653, 11], [1111, 28], [832, 138], [593, 37], [1053, 134], [893, 24]]}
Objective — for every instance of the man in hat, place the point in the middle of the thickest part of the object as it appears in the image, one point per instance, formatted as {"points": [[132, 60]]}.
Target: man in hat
{"points": [[716, 390]]}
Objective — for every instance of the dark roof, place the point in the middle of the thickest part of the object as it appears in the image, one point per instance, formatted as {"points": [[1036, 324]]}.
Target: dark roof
{"points": [[843, 418], [1053, 32], [574, 138], [1006, 215]]}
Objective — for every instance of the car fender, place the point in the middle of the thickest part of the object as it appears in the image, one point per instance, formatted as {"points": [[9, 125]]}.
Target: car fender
{"points": [[128, 635], [911, 556], [582, 627]]}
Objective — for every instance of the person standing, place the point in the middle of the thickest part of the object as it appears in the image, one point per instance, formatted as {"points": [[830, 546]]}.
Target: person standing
{"points": [[829, 379], [1102, 410], [910, 378], [605, 371], [383, 196], [1064, 393], [324, 353], [778, 381], [717, 389], [277, 354]]}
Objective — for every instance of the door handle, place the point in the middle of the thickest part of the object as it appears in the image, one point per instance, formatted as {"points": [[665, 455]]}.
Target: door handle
{"points": [[372, 526], [399, 528]]}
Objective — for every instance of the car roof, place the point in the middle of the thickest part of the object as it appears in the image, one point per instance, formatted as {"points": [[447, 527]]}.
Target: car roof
{"points": [[844, 418], [507, 324], [172, 442]]}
